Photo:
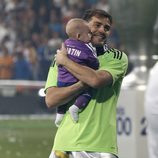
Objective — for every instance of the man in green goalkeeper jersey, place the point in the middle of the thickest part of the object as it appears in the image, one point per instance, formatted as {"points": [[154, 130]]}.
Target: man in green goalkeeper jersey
{"points": [[95, 134]]}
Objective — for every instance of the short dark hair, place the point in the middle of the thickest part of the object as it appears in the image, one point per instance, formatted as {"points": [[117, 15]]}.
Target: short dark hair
{"points": [[97, 13]]}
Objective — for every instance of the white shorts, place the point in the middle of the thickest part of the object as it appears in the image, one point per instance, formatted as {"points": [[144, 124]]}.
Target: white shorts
{"points": [[84, 154]]}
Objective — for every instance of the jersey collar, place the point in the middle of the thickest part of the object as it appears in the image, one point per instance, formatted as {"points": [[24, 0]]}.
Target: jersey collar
{"points": [[101, 49]]}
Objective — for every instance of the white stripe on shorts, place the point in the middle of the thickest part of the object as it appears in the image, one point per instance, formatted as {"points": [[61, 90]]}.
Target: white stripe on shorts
{"points": [[84, 154]]}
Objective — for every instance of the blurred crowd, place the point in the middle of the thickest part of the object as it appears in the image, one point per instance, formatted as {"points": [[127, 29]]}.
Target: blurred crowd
{"points": [[32, 30]]}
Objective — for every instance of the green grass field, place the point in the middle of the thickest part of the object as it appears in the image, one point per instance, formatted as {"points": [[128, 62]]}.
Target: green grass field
{"points": [[26, 138]]}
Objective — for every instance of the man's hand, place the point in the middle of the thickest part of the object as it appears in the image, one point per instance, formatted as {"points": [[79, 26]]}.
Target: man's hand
{"points": [[61, 56]]}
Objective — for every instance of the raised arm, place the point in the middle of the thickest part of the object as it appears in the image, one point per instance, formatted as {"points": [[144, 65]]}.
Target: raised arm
{"points": [[85, 74]]}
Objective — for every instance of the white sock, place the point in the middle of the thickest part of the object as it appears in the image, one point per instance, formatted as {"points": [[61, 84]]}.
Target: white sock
{"points": [[73, 110], [58, 119]]}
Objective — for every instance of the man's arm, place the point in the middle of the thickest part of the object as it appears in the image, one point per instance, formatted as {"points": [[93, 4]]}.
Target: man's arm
{"points": [[85, 74], [56, 96]]}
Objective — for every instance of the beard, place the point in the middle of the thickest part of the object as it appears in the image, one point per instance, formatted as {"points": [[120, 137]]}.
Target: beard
{"points": [[98, 40]]}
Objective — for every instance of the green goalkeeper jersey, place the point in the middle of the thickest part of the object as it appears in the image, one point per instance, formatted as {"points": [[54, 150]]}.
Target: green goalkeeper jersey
{"points": [[96, 129]]}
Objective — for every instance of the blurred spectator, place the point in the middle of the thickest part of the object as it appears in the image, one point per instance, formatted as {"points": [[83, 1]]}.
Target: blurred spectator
{"points": [[33, 21], [35, 39], [22, 68], [69, 12], [3, 29], [42, 23], [10, 5], [72, 2], [58, 3], [8, 43], [32, 58], [81, 7], [6, 63], [45, 58], [114, 38], [104, 5], [2, 5], [55, 24], [92, 3], [42, 18], [55, 41]]}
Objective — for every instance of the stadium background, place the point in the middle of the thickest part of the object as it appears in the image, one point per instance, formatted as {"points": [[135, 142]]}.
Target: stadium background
{"points": [[30, 32]]}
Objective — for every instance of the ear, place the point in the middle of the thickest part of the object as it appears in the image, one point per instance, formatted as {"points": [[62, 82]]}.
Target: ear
{"points": [[78, 35]]}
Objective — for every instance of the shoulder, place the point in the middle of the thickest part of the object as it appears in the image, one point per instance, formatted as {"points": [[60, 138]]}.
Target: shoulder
{"points": [[114, 59], [90, 46], [116, 54]]}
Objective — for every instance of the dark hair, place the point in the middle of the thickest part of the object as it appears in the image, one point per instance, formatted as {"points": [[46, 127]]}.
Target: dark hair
{"points": [[97, 13]]}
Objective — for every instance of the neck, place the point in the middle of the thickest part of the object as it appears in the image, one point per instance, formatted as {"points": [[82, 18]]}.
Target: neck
{"points": [[101, 49]]}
